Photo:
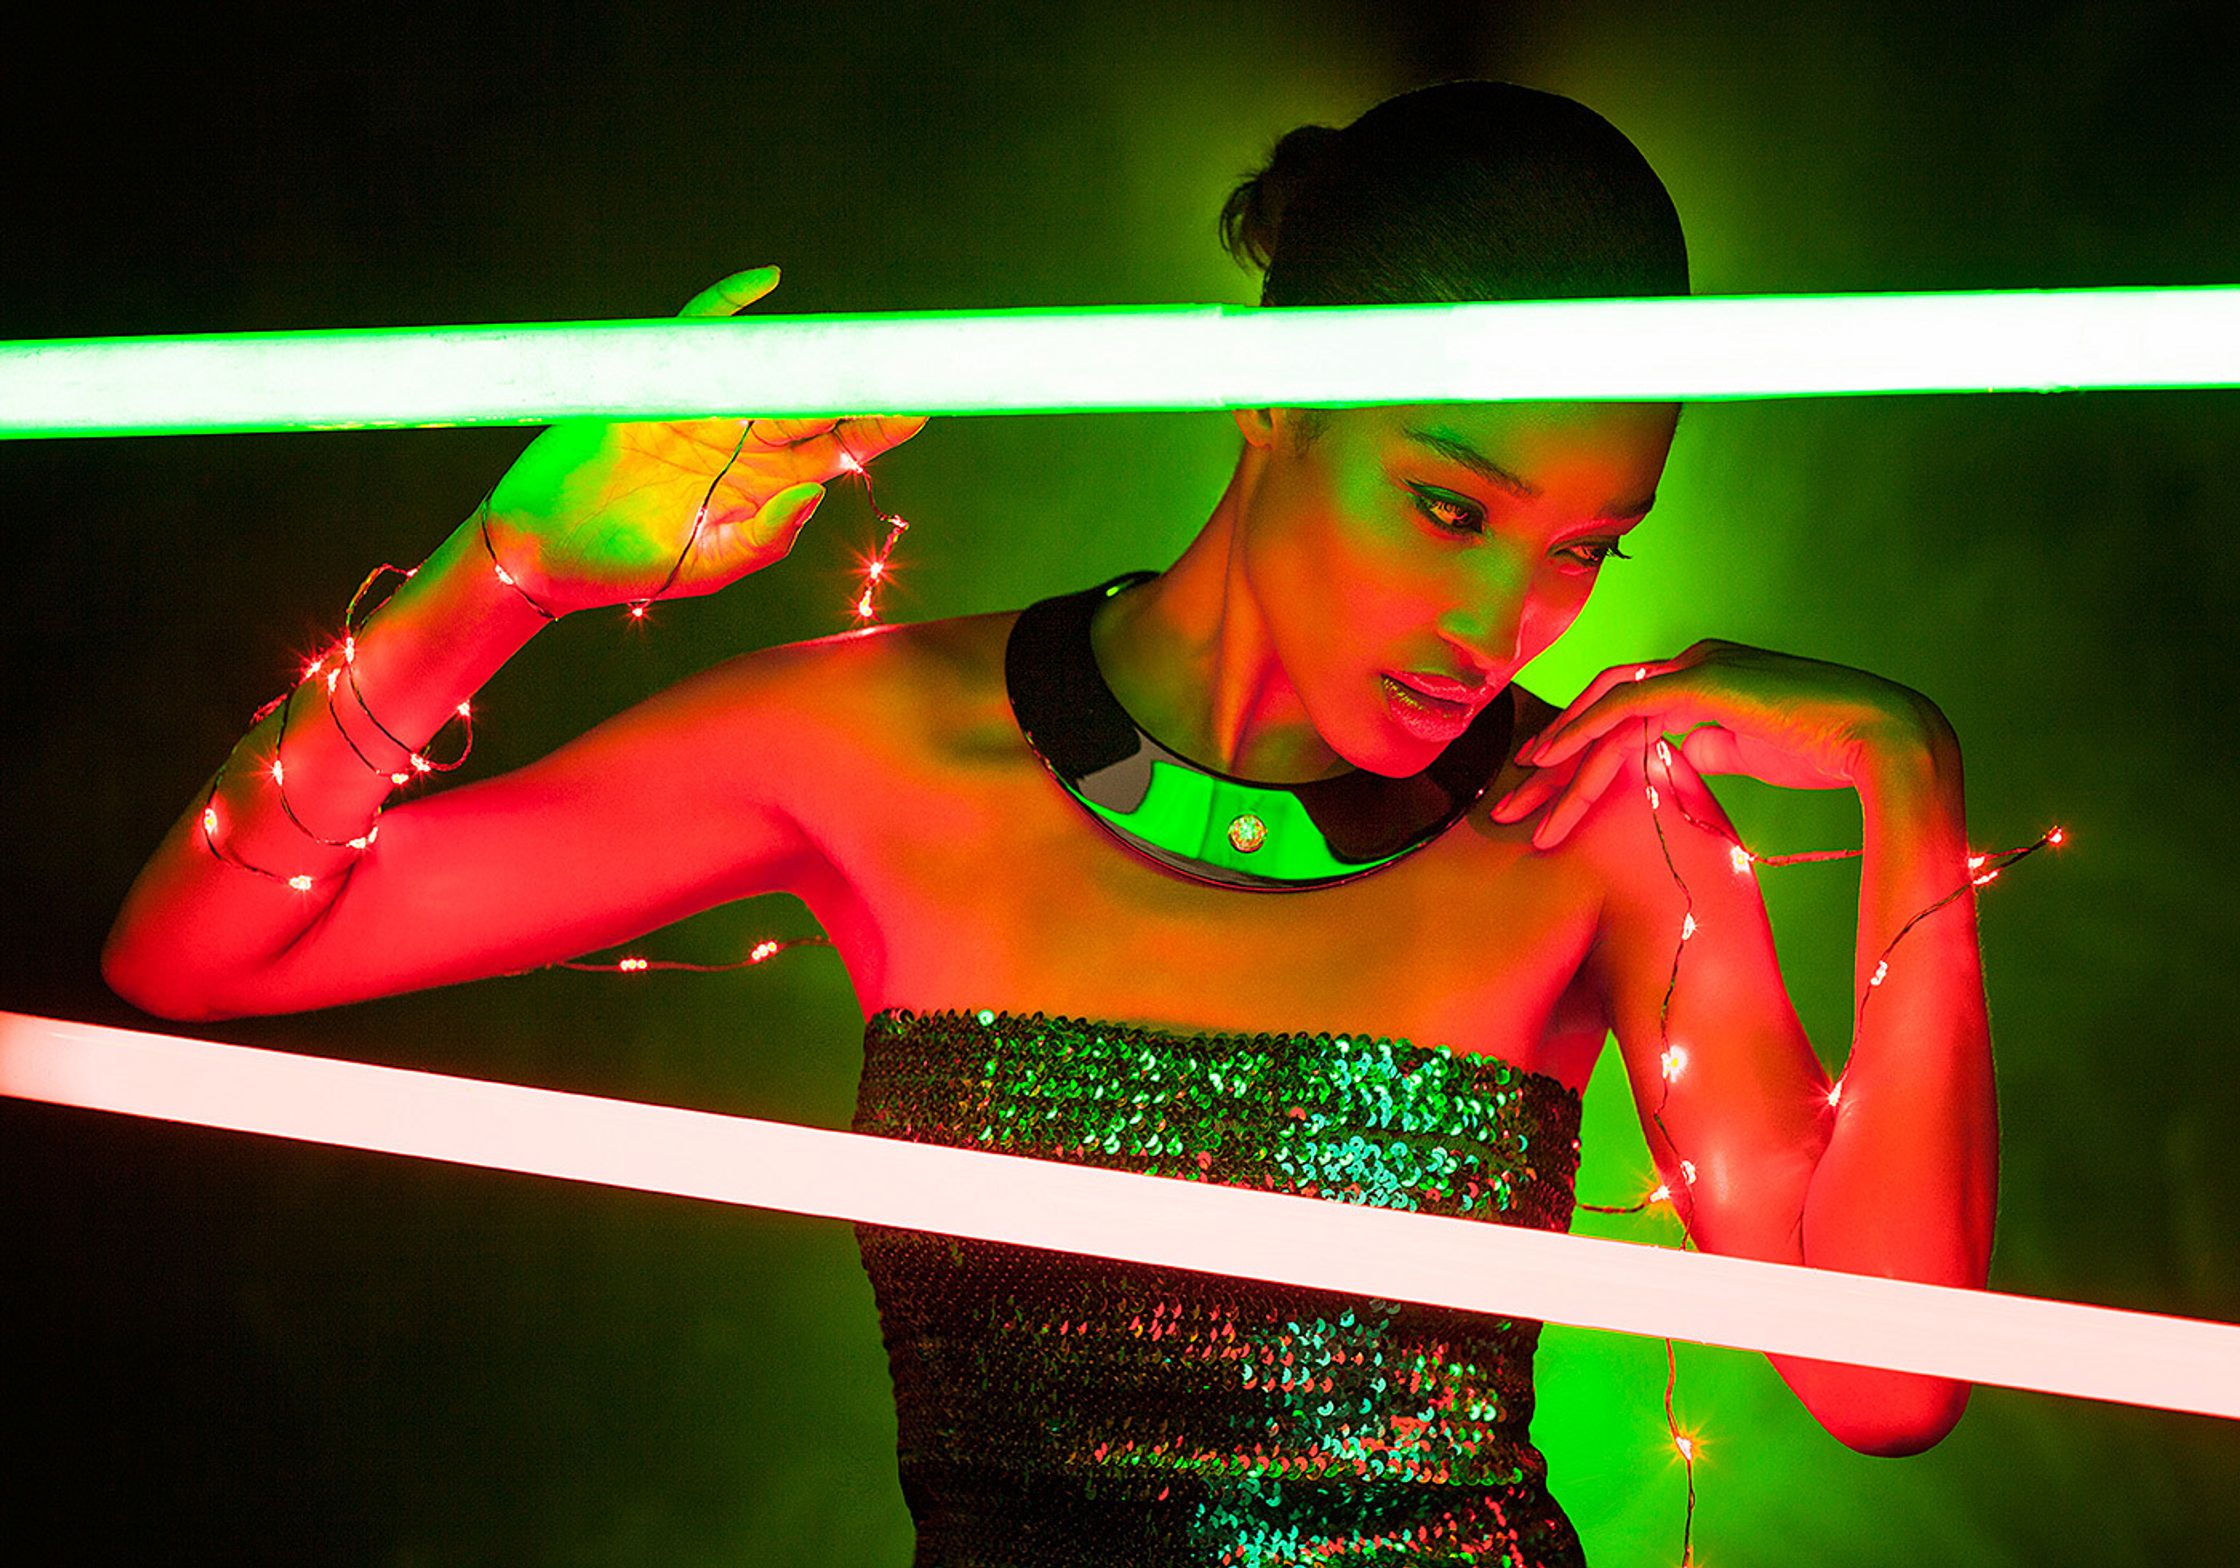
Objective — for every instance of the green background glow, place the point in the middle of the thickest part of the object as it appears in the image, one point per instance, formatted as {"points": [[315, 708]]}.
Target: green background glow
{"points": [[234, 1351]]}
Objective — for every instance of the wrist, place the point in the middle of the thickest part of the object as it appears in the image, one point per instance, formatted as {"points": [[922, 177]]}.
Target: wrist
{"points": [[1912, 765]]}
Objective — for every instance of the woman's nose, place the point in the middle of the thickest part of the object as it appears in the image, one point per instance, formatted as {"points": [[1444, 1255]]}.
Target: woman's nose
{"points": [[1488, 622]]}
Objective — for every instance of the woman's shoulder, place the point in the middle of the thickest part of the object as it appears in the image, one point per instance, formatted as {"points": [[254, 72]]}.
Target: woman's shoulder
{"points": [[886, 697], [899, 659]]}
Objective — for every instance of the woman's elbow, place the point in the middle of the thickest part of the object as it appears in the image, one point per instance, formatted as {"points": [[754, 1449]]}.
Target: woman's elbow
{"points": [[150, 990], [1911, 1416]]}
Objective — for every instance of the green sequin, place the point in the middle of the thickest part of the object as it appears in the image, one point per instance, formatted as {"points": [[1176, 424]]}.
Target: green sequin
{"points": [[1062, 1411]]}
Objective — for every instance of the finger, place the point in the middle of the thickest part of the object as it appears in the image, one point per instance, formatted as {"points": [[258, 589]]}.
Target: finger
{"points": [[1527, 797], [1712, 749], [787, 432], [1665, 700], [727, 550], [1596, 770], [1534, 751], [869, 435], [726, 296]]}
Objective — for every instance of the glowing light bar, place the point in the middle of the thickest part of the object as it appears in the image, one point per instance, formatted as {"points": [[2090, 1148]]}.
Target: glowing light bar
{"points": [[1126, 357], [2055, 1347]]}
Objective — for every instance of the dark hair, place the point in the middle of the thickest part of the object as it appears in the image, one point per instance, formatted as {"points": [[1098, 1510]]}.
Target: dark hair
{"points": [[1464, 190]]}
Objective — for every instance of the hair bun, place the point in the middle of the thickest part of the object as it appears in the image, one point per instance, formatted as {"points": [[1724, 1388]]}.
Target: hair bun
{"points": [[1252, 217]]}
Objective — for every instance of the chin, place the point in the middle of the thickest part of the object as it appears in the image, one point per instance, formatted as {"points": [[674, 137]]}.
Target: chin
{"points": [[1402, 756]]}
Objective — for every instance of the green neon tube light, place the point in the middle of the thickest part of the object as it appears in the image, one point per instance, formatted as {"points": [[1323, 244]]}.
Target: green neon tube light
{"points": [[1144, 357]]}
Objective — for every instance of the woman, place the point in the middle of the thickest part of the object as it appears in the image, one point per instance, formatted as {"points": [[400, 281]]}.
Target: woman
{"points": [[1045, 844]]}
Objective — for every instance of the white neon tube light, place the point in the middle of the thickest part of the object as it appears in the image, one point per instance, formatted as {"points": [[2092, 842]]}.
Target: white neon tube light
{"points": [[2023, 1342]]}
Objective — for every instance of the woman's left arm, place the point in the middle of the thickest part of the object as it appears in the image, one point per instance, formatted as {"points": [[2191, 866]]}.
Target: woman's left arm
{"points": [[1893, 1170]]}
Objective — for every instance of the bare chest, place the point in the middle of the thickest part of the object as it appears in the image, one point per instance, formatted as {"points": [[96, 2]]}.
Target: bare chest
{"points": [[959, 875]]}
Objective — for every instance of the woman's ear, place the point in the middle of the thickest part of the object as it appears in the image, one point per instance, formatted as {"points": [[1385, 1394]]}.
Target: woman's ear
{"points": [[1258, 425]]}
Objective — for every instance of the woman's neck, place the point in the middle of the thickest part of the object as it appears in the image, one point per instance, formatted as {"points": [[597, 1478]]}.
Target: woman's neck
{"points": [[1189, 656]]}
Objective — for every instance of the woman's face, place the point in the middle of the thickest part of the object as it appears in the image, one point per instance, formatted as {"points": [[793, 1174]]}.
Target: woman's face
{"points": [[1433, 540]]}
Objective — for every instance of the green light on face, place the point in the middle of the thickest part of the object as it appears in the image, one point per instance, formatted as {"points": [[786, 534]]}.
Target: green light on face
{"points": [[1132, 358]]}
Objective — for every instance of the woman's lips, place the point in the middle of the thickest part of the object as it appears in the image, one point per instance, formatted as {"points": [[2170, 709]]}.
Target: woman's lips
{"points": [[1423, 716]]}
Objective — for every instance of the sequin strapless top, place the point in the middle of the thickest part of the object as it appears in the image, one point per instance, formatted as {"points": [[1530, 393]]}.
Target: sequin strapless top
{"points": [[1059, 1411]]}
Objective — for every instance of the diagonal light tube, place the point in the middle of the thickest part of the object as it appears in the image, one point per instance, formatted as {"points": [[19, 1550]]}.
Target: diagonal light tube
{"points": [[1140, 357], [2023, 1342]]}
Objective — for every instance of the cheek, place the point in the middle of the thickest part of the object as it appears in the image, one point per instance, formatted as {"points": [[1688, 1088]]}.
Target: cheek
{"points": [[1548, 614], [1319, 572]]}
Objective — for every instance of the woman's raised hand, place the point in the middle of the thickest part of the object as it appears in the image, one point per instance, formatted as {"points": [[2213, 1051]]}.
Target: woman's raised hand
{"points": [[1793, 722], [595, 514]]}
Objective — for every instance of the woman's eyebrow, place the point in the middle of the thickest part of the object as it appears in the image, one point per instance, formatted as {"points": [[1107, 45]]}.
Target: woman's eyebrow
{"points": [[1448, 444]]}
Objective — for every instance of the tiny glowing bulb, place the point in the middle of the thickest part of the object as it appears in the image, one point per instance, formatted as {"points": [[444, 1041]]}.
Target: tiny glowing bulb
{"points": [[398, 778], [279, 773], [1739, 858], [876, 569], [332, 677], [1687, 927], [360, 843], [637, 612], [1663, 1194], [632, 965], [2056, 836], [1664, 755], [1688, 1172], [1652, 797], [209, 819], [1674, 1060], [1686, 1445], [1881, 972], [373, 833], [1988, 876], [349, 650], [850, 465], [415, 572], [1974, 861], [1835, 1092], [863, 606], [899, 524], [301, 883], [421, 764], [312, 668], [464, 712], [504, 576], [761, 950], [1641, 673]]}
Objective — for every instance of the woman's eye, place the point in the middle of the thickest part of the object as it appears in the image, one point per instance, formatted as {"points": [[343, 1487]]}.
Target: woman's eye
{"points": [[1593, 552], [1454, 517]]}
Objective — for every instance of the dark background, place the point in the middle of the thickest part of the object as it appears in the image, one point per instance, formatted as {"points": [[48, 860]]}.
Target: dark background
{"points": [[220, 1349]]}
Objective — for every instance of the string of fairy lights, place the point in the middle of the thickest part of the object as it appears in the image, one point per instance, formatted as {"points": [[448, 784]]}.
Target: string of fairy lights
{"points": [[336, 666]]}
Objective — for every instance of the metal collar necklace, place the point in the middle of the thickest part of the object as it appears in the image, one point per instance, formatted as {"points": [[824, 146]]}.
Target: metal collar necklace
{"points": [[1210, 826]]}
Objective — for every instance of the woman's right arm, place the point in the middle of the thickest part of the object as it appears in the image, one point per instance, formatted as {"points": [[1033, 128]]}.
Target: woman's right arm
{"points": [[666, 809]]}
